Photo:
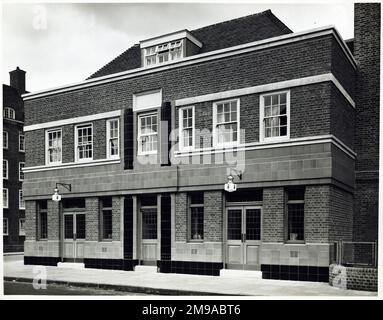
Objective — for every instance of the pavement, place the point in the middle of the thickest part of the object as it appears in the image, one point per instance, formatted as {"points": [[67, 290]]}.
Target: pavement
{"points": [[171, 284]]}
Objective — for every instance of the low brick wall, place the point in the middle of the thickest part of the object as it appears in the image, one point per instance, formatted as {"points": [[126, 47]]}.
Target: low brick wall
{"points": [[353, 278]]}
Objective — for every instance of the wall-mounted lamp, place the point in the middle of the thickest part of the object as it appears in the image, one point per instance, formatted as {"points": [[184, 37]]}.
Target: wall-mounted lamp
{"points": [[56, 196]]}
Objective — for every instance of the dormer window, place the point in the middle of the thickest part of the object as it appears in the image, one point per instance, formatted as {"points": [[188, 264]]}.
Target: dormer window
{"points": [[163, 53], [169, 47], [9, 113]]}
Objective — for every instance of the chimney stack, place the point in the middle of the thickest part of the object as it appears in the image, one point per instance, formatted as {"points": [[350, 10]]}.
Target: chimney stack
{"points": [[17, 80]]}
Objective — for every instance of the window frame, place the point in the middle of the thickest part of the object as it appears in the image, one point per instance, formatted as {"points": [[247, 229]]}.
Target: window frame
{"points": [[7, 224], [21, 233], [21, 200], [77, 127], [105, 208], [21, 135], [294, 202], [6, 113], [215, 124], [262, 137], [21, 171], [139, 134], [5, 135], [158, 51], [47, 162], [41, 211], [108, 138], [181, 128], [7, 171], [6, 205], [190, 206]]}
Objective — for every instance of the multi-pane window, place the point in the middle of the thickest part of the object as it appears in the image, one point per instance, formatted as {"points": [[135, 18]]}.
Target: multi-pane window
{"points": [[148, 210], [9, 113], [5, 226], [21, 172], [295, 214], [163, 53], [5, 198], [106, 219], [274, 115], [21, 142], [147, 133], [5, 139], [21, 227], [21, 200], [196, 215], [186, 122], [84, 145], [54, 146], [113, 138], [5, 169], [226, 122], [42, 220]]}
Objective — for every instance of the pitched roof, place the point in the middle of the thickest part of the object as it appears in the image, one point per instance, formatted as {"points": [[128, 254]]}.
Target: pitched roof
{"points": [[217, 36]]}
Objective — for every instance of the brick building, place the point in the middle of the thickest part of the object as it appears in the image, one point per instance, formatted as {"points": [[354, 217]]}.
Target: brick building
{"points": [[148, 142], [13, 162]]}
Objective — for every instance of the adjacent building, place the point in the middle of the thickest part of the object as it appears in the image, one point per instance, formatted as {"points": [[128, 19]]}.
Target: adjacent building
{"points": [[13, 163], [141, 151]]}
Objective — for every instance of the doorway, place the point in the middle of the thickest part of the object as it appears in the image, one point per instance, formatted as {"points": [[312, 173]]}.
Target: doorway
{"points": [[244, 235], [74, 236]]}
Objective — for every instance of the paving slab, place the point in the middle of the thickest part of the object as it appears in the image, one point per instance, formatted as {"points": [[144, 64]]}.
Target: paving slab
{"points": [[175, 284]]}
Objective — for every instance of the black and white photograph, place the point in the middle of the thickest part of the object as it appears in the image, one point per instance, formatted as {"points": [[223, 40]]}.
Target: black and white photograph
{"points": [[183, 150]]}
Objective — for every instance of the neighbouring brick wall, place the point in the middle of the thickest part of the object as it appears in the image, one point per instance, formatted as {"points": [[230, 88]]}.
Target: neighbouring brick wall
{"points": [[317, 208], [53, 220], [213, 219], [366, 210], [30, 220], [353, 278], [181, 216], [341, 215], [342, 118], [367, 53], [273, 214], [92, 218], [117, 203]]}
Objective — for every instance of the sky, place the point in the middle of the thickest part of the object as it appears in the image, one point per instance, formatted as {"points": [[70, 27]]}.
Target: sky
{"points": [[58, 44]]}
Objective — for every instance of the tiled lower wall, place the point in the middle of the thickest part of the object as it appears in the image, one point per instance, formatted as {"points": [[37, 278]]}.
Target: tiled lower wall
{"points": [[206, 251], [309, 254], [92, 249]]}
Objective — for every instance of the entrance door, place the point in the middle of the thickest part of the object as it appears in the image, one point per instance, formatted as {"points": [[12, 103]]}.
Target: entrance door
{"points": [[149, 235], [243, 237], [74, 236]]}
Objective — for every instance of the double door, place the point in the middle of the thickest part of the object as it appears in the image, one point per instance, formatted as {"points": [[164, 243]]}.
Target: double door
{"points": [[244, 234], [74, 236]]}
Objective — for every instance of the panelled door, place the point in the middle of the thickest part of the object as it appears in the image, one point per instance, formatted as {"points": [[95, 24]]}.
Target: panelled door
{"points": [[74, 236], [149, 235], [244, 231]]}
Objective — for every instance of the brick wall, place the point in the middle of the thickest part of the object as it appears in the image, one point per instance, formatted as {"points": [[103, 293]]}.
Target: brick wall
{"points": [[30, 220], [314, 56], [92, 219], [53, 220], [273, 214], [367, 53], [341, 215], [366, 210], [117, 205], [353, 278], [213, 219], [317, 207], [181, 216]]}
